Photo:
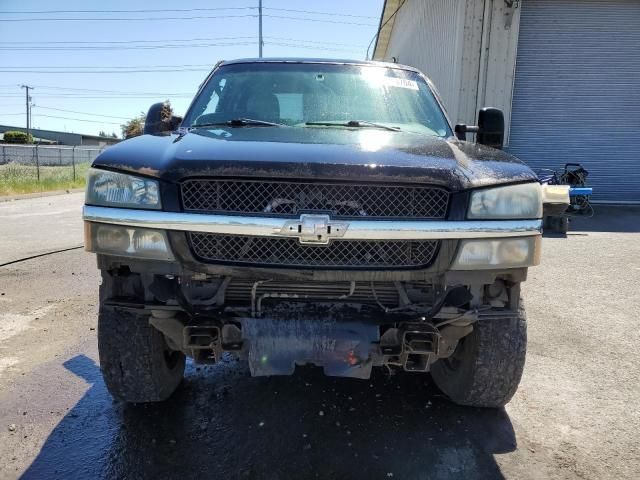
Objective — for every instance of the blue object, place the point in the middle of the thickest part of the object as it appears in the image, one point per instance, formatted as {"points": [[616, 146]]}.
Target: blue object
{"points": [[579, 191]]}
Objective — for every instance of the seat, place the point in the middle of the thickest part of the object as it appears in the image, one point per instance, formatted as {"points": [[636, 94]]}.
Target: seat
{"points": [[264, 107]]}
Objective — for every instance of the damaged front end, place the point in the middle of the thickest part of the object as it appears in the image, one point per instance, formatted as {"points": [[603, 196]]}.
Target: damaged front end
{"points": [[345, 327]]}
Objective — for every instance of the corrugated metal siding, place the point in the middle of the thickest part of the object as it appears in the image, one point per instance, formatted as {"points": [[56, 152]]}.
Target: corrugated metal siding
{"points": [[577, 91]]}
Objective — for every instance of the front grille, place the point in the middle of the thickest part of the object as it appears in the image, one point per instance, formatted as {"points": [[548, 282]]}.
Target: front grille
{"points": [[293, 198], [289, 252]]}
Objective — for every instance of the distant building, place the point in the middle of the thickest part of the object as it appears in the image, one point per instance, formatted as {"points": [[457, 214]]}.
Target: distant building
{"points": [[63, 138]]}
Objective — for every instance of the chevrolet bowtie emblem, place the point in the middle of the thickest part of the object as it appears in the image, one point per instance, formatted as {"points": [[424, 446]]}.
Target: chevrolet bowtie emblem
{"points": [[314, 229]]}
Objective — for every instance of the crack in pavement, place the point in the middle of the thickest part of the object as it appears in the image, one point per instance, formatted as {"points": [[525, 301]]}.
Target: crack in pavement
{"points": [[41, 255]]}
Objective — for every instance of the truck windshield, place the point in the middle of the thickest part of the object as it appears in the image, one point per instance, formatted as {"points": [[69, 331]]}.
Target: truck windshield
{"points": [[316, 95]]}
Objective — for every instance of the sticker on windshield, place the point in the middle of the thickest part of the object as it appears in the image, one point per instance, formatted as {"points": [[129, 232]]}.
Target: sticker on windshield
{"points": [[400, 83]]}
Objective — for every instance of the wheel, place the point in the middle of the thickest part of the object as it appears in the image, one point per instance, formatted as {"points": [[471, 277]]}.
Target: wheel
{"points": [[136, 363], [486, 367]]}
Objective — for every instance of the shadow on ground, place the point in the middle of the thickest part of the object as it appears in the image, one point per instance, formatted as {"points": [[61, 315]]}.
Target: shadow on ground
{"points": [[608, 219], [224, 424]]}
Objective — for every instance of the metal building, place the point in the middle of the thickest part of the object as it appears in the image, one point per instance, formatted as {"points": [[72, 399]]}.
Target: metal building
{"points": [[566, 73], [62, 138]]}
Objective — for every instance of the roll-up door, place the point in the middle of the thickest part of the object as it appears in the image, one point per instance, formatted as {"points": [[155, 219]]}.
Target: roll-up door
{"points": [[577, 91]]}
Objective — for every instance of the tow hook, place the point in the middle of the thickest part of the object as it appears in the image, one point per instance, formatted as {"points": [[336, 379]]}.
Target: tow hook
{"points": [[420, 342]]}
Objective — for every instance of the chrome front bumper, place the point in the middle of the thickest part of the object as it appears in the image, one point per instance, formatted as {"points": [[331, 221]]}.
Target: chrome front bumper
{"points": [[279, 227]]}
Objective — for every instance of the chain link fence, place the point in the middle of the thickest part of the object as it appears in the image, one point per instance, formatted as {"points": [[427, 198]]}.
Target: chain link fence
{"points": [[35, 167]]}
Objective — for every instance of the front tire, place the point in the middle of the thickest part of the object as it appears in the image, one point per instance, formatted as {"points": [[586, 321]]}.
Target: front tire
{"points": [[136, 363], [486, 368]]}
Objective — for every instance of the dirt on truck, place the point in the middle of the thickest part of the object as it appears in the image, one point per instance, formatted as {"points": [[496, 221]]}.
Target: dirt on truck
{"points": [[315, 212]]}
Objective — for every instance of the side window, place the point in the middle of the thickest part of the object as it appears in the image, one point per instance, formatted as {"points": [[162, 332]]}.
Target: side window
{"points": [[291, 107]]}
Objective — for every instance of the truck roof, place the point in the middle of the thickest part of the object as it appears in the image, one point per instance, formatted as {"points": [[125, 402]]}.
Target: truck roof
{"points": [[333, 61]]}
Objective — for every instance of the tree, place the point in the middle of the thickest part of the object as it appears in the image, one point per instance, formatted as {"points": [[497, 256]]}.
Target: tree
{"points": [[134, 127], [102, 133], [167, 111], [113, 135], [14, 136]]}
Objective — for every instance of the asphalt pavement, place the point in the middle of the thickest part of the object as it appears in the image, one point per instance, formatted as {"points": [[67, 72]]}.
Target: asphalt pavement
{"points": [[39, 225], [576, 414]]}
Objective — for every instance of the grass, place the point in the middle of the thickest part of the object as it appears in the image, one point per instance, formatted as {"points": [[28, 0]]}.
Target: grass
{"points": [[16, 179]]}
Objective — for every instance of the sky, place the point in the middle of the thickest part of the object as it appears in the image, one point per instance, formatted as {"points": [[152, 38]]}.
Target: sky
{"points": [[94, 74]]}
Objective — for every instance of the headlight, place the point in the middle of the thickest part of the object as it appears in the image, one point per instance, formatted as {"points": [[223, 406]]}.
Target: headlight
{"points": [[513, 201], [126, 241], [499, 253], [113, 189]]}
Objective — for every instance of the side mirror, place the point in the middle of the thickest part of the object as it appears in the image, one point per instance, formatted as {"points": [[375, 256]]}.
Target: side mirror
{"points": [[157, 122], [490, 129]]}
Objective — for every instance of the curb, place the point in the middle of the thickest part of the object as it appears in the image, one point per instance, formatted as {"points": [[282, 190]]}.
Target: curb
{"points": [[26, 196]]}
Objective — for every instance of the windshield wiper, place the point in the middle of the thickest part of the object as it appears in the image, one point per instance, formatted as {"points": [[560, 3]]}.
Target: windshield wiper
{"points": [[356, 124], [240, 122]]}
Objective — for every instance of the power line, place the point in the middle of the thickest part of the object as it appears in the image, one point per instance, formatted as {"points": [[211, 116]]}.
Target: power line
{"points": [[125, 47], [28, 12], [124, 67], [315, 12], [101, 97], [175, 10], [313, 48], [129, 41], [121, 19], [322, 42], [383, 25], [47, 87], [199, 17], [56, 69], [122, 47], [200, 39], [320, 20], [142, 69], [78, 119], [82, 113], [110, 71]]}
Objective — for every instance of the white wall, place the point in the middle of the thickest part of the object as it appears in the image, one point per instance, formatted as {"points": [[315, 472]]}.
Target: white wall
{"points": [[498, 63], [467, 47], [428, 35]]}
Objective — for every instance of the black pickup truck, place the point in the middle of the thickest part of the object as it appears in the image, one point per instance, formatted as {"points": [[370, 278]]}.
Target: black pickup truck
{"points": [[319, 212]]}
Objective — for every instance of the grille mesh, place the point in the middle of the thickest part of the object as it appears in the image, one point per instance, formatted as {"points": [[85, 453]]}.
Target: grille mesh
{"points": [[291, 198], [210, 247], [239, 291]]}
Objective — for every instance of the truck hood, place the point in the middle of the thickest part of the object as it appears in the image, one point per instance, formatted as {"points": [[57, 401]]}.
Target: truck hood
{"points": [[364, 154]]}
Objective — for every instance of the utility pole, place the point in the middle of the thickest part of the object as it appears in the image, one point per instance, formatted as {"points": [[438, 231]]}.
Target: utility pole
{"points": [[27, 100], [260, 28]]}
